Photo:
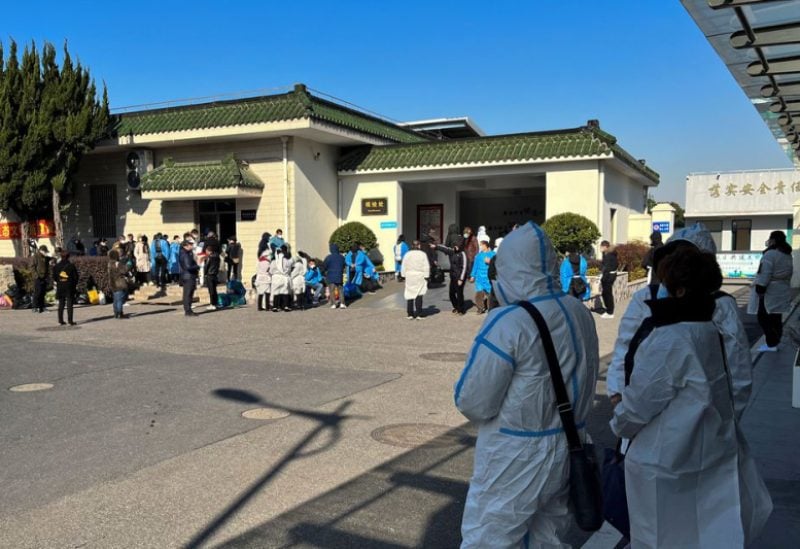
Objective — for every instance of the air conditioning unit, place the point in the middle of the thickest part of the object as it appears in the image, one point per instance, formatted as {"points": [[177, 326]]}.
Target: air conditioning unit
{"points": [[138, 162]]}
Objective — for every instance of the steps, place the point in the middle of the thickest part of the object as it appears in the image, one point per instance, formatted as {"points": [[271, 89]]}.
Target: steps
{"points": [[172, 295]]}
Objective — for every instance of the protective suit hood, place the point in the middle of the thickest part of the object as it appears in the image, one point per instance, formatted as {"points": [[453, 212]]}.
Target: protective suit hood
{"points": [[527, 266], [697, 234]]}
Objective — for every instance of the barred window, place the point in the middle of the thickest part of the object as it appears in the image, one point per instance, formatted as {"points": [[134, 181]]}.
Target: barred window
{"points": [[104, 210]]}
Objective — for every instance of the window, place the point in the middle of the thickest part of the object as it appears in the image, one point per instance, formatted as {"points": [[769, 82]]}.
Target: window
{"points": [[613, 225], [103, 206], [740, 232], [714, 226]]}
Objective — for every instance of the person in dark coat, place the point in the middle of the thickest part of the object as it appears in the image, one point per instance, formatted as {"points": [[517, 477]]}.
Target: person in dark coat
{"points": [[458, 272], [189, 269], [41, 269], [452, 236], [212, 266], [656, 242], [234, 259], [334, 275], [118, 280], [607, 278], [66, 278]]}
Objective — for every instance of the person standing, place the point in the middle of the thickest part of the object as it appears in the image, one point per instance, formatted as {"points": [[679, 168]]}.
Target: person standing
{"points": [[159, 258], [480, 276], [689, 478], [211, 271], [356, 261], [400, 250], [771, 294], [142, 254], [264, 245], [471, 246], [573, 276], [233, 258], [458, 272], [656, 242], [415, 269], [520, 486], [608, 277], [41, 270], [66, 278], [280, 269], [174, 265], [118, 280], [263, 280], [334, 275], [298, 276], [189, 270]]}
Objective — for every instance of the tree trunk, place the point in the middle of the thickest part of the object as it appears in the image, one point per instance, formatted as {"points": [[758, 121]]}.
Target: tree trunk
{"points": [[57, 222], [25, 238]]}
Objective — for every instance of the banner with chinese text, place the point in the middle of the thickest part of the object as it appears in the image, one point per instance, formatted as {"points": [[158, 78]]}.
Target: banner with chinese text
{"points": [[12, 230], [769, 192]]}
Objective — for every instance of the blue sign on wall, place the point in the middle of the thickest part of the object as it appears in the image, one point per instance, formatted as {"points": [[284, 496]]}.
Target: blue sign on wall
{"points": [[661, 226], [388, 224]]}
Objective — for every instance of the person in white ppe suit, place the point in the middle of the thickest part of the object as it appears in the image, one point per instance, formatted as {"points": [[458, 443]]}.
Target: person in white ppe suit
{"points": [[689, 478], [518, 492], [726, 319]]}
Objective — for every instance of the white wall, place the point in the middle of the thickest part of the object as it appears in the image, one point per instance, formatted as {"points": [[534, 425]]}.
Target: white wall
{"points": [[315, 195], [354, 189], [761, 227], [627, 196]]}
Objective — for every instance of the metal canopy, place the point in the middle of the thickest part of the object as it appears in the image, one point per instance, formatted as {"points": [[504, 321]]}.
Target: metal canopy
{"points": [[759, 41]]}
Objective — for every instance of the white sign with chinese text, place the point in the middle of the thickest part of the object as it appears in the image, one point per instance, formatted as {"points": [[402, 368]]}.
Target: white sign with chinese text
{"points": [[771, 192], [739, 264]]}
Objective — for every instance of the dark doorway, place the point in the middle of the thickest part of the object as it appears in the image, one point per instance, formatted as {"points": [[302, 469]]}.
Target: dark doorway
{"points": [[218, 216]]}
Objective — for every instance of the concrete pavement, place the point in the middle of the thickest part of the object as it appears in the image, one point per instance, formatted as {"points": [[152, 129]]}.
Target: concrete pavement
{"points": [[140, 443]]}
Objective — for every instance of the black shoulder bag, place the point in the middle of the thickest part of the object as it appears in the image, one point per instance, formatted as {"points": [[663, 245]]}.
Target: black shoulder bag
{"points": [[585, 491]]}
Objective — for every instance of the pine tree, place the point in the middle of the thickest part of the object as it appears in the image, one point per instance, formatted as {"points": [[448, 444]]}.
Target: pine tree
{"points": [[49, 118]]}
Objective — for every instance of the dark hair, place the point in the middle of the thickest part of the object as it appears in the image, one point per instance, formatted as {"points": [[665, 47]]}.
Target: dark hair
{"points": [[779, 242], [695, 271], [605, 243]]}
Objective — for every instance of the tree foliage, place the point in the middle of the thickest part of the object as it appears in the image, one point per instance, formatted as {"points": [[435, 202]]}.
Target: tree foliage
{"points": [[50, 117], [571, 232], [353, 233]]}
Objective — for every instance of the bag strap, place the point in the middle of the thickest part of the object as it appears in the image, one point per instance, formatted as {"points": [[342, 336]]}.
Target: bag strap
{"points": [[564, 406]]}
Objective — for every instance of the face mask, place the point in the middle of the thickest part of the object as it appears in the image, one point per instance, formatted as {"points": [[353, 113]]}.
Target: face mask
{"points": [[466, 235], [662, 292]]}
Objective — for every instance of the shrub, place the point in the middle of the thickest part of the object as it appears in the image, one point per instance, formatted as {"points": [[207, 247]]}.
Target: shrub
{"points": [[89, 268], [630, 255], [571, 232], [637, 274], [352, 233], [593, 271]]}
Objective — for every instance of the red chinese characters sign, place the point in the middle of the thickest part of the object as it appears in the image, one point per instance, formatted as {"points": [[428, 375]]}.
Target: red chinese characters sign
{"points": [[11, 230]]}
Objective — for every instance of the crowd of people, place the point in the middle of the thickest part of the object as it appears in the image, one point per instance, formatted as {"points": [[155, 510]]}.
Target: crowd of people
{"points": [[679, 380]]}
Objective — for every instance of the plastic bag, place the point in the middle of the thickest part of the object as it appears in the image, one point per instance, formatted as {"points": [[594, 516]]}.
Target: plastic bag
{"points": [[101, 297]]}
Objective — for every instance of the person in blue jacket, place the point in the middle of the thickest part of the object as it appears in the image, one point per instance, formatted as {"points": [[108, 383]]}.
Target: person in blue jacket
{"points": [[314, 281], [334, 275], [174, 265], [400, 250], [573, 276], [159, 257], [356, 261], [480, 276]]}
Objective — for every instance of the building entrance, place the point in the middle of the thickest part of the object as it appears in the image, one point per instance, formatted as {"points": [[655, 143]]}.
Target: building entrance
{"points": [[218, 216], [499, 209]]}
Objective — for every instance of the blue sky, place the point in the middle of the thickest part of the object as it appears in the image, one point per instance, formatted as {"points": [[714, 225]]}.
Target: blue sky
{"points": [[641, 67]]}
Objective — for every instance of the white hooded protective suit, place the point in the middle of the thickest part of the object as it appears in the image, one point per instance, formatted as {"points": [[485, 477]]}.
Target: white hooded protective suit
{"points": [[518, 492], [726, 319], [690, 480], [416, 269]]}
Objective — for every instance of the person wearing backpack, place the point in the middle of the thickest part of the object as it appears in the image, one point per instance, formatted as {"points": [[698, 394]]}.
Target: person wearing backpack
{"points": [[573, 276], [159, 257]]}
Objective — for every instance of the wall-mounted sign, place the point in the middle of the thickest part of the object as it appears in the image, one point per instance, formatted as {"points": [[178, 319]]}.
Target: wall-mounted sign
{"points": [[765, 193], [374, 206], [739, 264], [388, 224], [12, 230], [247, 215], [661, 226]]}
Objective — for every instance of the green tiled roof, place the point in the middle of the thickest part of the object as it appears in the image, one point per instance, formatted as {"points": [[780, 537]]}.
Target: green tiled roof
{"points": [[196, 176], [295, 105], [577, 142]]}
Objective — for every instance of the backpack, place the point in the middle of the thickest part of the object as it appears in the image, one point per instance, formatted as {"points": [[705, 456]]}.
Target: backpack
{"points": [[577, 286]]}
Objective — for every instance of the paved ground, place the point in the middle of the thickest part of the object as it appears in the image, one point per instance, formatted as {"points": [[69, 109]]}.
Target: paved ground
{"points": [[141, 441]]}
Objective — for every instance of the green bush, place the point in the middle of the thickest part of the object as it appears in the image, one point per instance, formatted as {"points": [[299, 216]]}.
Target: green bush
{"points": [[89, 267], [637, 274], [352, 233], [571, 232], [593, 271]]}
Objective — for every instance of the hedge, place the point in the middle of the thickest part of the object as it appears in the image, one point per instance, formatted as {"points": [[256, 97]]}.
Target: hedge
{"points": [[353, 233], [88, 267], [570, 232], [630, 255]]}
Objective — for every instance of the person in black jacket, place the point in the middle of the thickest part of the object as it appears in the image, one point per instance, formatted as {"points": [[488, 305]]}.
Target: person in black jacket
{"points": [[656, 242], [458, 272], [41, 268], [234, 259], [189, 269], [66, 278], [212, 249], [333, 266], [607, 278]]}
